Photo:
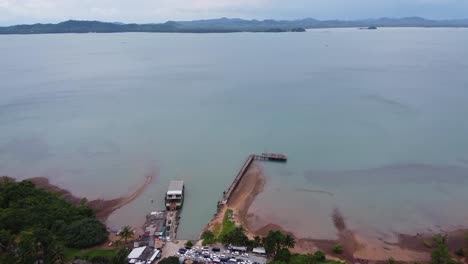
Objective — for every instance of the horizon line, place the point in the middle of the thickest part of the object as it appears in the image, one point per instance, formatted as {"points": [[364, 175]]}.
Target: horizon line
{"points": [[246, 19]]}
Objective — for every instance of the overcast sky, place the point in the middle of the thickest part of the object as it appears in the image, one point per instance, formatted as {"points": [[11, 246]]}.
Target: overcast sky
{"points": [[143, 11]]}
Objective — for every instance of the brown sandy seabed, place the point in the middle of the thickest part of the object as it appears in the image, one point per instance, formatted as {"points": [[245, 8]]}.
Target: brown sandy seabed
{"points": [[409, 248]]}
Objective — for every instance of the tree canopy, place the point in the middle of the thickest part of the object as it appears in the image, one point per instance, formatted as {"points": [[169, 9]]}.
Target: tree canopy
{"points": [[35, 224], [85, 233]]}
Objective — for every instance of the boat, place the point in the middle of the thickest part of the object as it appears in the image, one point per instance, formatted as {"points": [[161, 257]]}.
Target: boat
{"points": [[175, 195]]}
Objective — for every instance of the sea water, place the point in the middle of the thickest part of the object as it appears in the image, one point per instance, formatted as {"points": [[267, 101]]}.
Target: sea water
{"points": [[374, 122]]}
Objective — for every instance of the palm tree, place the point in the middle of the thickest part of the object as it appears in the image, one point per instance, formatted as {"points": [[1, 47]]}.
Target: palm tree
{"points": [[126, 233], [289, 241]]}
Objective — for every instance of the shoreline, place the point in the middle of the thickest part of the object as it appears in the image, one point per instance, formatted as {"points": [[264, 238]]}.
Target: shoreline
{"points": [[408, 248], [102, 208], [241, 199]]}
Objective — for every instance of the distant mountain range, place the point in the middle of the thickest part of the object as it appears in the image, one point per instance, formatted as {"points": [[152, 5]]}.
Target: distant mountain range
{"points": [[224, 25]]}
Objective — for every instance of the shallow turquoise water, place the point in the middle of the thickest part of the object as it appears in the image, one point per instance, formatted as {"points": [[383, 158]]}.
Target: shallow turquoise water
{"points": [[98, 112]]}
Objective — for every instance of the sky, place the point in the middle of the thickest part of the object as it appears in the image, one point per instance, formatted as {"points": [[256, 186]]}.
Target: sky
{"points": [[154, 11]]}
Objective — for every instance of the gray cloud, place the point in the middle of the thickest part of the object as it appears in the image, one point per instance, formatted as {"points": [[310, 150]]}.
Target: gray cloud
{"points": [[141, 11]]}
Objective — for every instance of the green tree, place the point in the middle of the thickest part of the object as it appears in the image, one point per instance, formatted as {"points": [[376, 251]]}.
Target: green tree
{"points": [[189, 243], [337, 249], [440, 254], [391, 261], [56, 255], [7, 241], [34, 223], [126, 233], [257, 241], [85, 233], [27, 251], [288, 241], [273, 242], [208, 237], [236, 237], [320, 256], [283, 254]]}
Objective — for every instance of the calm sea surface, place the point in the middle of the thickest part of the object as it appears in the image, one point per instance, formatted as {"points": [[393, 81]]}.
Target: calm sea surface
{"points": [[375, 123]]}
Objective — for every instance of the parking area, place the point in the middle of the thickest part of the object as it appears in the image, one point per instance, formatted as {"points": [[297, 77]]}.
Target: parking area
{"points": [[219, 255]]}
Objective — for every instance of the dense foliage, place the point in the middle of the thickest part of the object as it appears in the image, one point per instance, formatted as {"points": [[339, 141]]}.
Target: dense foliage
{"points": [[35, 224], [236, 237], [208, 238], [169, 260], [276, 244], [85, 233]]}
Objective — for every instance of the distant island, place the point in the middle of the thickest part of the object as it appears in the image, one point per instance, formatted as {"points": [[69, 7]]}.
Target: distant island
{"points": [[226, 25]]}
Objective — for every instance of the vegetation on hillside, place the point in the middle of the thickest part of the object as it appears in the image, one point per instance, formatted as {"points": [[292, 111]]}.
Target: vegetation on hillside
{"points": [[226, 25], [38, 225]]}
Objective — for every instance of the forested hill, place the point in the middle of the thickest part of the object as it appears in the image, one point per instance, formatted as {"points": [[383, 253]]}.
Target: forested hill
{"points": [[223, 25], [37, 225]]}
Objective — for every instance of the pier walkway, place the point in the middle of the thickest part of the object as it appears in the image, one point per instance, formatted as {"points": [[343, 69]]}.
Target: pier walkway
{"points": [[245, 167]]}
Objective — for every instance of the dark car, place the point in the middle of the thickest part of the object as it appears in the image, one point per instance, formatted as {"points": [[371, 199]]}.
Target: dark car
{"points": [[182, 250], [216, 249]]}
